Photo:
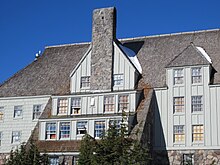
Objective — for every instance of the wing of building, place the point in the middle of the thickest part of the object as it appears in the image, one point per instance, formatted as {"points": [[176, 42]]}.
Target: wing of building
{"points": [[168, 84]]}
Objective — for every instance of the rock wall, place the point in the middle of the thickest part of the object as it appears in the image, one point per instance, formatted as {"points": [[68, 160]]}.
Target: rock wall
{"points": [[175, 157]]}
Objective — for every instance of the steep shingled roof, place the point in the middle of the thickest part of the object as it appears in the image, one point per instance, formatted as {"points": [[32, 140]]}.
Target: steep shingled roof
{"points": [[50, 73]]}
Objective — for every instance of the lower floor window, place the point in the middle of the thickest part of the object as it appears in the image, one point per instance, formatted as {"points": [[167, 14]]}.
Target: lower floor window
{"points": [[188, 159], [197, 133], [99, 128], [179, 135], [51, 131], [54, 160], [64, 130], [16, 136]]}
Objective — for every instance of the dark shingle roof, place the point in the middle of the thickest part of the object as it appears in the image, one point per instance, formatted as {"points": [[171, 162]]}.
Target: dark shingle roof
{"points": [[50, 73], [190, 56]]}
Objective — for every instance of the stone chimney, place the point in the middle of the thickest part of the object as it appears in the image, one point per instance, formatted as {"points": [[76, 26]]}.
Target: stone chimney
{"points": [[103, 35]]}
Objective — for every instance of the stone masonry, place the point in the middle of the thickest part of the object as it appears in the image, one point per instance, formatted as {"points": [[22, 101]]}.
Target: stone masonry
{"points": [[103, 35]]}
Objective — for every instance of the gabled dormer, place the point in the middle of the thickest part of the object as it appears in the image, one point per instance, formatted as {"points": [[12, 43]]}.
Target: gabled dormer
{"points": [[191, 66], [107, 65]]}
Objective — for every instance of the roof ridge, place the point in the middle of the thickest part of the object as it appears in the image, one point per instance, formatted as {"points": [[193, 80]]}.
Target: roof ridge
{"points": [[169, 34], [61, 45]]}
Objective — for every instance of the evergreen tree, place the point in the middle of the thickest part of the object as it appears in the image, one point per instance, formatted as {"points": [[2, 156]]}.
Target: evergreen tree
{"points": [[113, 148]]}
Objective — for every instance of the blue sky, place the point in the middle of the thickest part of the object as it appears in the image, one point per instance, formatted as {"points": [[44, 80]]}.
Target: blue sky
{"points": [[27, 26]]}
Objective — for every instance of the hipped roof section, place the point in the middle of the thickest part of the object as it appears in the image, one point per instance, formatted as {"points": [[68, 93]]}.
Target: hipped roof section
{"points": [[50, 73]]}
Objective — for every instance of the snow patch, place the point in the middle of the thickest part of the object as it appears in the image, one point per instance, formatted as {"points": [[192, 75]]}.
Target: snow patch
{"points": [[201, 50], [132, 56]]}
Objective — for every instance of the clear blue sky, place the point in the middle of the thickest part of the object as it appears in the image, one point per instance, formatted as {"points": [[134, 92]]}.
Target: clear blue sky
{"points": [[27, 26]]}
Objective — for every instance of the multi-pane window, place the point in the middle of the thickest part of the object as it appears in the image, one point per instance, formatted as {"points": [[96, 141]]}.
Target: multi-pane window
{"points": [[0, 138], [109, 104], [1, 113], [99, 128], [81, 127], [85, 81], [36, 111], [64, 130], [118, 79], [179, 133], [54, 160], [196, 75], [197, 133], [51, 131], [178, 104], [123, 103], [75, 105], [196, 103], [62, 106], [178, 76], [16, 136], [188, 159], [17, 111], [115, 123]]}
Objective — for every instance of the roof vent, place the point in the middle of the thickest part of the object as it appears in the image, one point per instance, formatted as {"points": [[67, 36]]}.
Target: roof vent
{"points": [[37, 55]]}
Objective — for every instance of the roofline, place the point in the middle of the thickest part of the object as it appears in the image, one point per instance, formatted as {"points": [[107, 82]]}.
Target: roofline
{"points": [[142, 37], [61, 45]]}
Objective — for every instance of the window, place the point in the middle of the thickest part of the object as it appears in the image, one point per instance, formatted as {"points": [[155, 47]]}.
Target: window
{"points": [[54, 160], [36, 111], [178, 104], [64, 130], [99, 128], [75, 160], [81, 127], [109, 103], [17, 111], [51, 131], [75, 106], [196, 103], [16, 136], [62, 106], [123, 103], [116, 123], [178, 76], [0, 138], [1, 113], [118, 79], [188, 159], [196, 75], [179, 133], [85, 81], [197, 133]]}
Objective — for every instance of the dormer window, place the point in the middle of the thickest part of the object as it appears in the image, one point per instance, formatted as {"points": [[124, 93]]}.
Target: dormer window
{"points": [[196, 75], [85, 82], [178, 76], [62, 106], [76, 106], [118, 79]]}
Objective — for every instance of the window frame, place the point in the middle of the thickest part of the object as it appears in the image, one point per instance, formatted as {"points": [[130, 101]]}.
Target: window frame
{"points": [[122, 104], [118, 79], [14, 135], [62, 109], [198, 133], [179, 108], [197, 105], [75, 108], [178, 77], [64, 132], [179, 132], [83, 127], [199, 75], [2, 109], [185, 157], [55, 160], [109, 104], [100, 130], [50, 132], [18, 108], [36, 113], [85, 82]]}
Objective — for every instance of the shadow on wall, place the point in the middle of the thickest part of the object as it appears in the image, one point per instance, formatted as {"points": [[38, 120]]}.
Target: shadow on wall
{"points": [[159, 153]]}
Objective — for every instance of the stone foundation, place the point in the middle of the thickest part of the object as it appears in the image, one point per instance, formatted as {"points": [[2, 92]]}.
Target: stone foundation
{"points": [[175, 157]]}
